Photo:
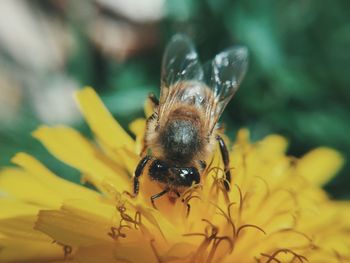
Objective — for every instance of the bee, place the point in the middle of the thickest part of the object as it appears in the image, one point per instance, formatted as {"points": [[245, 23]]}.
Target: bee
{"points": [[182, 132]]}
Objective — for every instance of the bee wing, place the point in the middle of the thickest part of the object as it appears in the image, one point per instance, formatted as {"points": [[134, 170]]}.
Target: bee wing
{"points": [[224, 74], [180, 63], [183, 79]]}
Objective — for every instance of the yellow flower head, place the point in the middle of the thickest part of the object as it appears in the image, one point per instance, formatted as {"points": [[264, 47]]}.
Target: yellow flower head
{"points": [[276, 210]]}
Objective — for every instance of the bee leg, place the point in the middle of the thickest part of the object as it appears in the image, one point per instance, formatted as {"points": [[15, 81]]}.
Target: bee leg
{"points": [[138, 172], [226, 160], [183, 201], [156, 196], [153, 99]]}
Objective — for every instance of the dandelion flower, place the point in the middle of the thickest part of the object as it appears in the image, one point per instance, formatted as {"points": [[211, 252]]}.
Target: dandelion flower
{"points": [[276, 210]]}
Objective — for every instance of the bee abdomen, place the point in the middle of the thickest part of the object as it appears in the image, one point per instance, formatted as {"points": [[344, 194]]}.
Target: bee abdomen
{"points": [[180, 139]]}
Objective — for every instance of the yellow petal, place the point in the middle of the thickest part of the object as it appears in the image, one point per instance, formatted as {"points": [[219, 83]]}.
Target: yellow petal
{"points": [[17, 235], [21, 227], [72, 148], [99, 253], [16, 183], [67, 260], [64, 188], [14, 250], [343, 208], [134, 253], [320, 165], [179, 251], [14, 208], [243, 136], [242, 142], [137, 127], [78, 222], [273, 146], [101, 122], [130, 160]]}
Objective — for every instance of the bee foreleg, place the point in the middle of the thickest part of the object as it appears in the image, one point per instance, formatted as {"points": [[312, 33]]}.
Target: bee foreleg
{"points": [[226, 159], [156, 196], [138, 172]]}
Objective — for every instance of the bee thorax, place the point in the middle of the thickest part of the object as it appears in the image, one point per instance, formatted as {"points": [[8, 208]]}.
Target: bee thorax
{"points": [[180, 139]]}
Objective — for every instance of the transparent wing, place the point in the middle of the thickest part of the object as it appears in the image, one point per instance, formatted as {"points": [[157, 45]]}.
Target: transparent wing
{"points": [[224, 74], [184, 81], [180, 63]]}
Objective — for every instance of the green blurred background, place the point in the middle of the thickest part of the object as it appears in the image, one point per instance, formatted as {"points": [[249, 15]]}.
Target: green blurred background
{"points": [[297, 84]]}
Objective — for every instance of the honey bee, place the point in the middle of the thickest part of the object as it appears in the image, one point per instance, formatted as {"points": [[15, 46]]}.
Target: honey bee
{"points": [[182, 133]]}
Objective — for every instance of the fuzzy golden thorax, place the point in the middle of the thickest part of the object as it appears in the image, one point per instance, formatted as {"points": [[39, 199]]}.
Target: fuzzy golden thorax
{"points": [[181, 139]]}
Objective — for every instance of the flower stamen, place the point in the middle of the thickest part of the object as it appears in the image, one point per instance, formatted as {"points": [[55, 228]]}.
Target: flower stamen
{"points": [[219, 182], [227, 216], [249, 225], [115, 232], [284, 250], [268, 191], [152, 241], [67, 250], [125, 217], [241, 200]]}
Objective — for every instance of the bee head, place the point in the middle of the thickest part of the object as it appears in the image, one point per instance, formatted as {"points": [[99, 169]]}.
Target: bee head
{"points": [[175, 176]]}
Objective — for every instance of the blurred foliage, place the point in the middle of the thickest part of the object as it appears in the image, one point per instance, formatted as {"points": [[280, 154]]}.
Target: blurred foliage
{"points": [[297, 84]]}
